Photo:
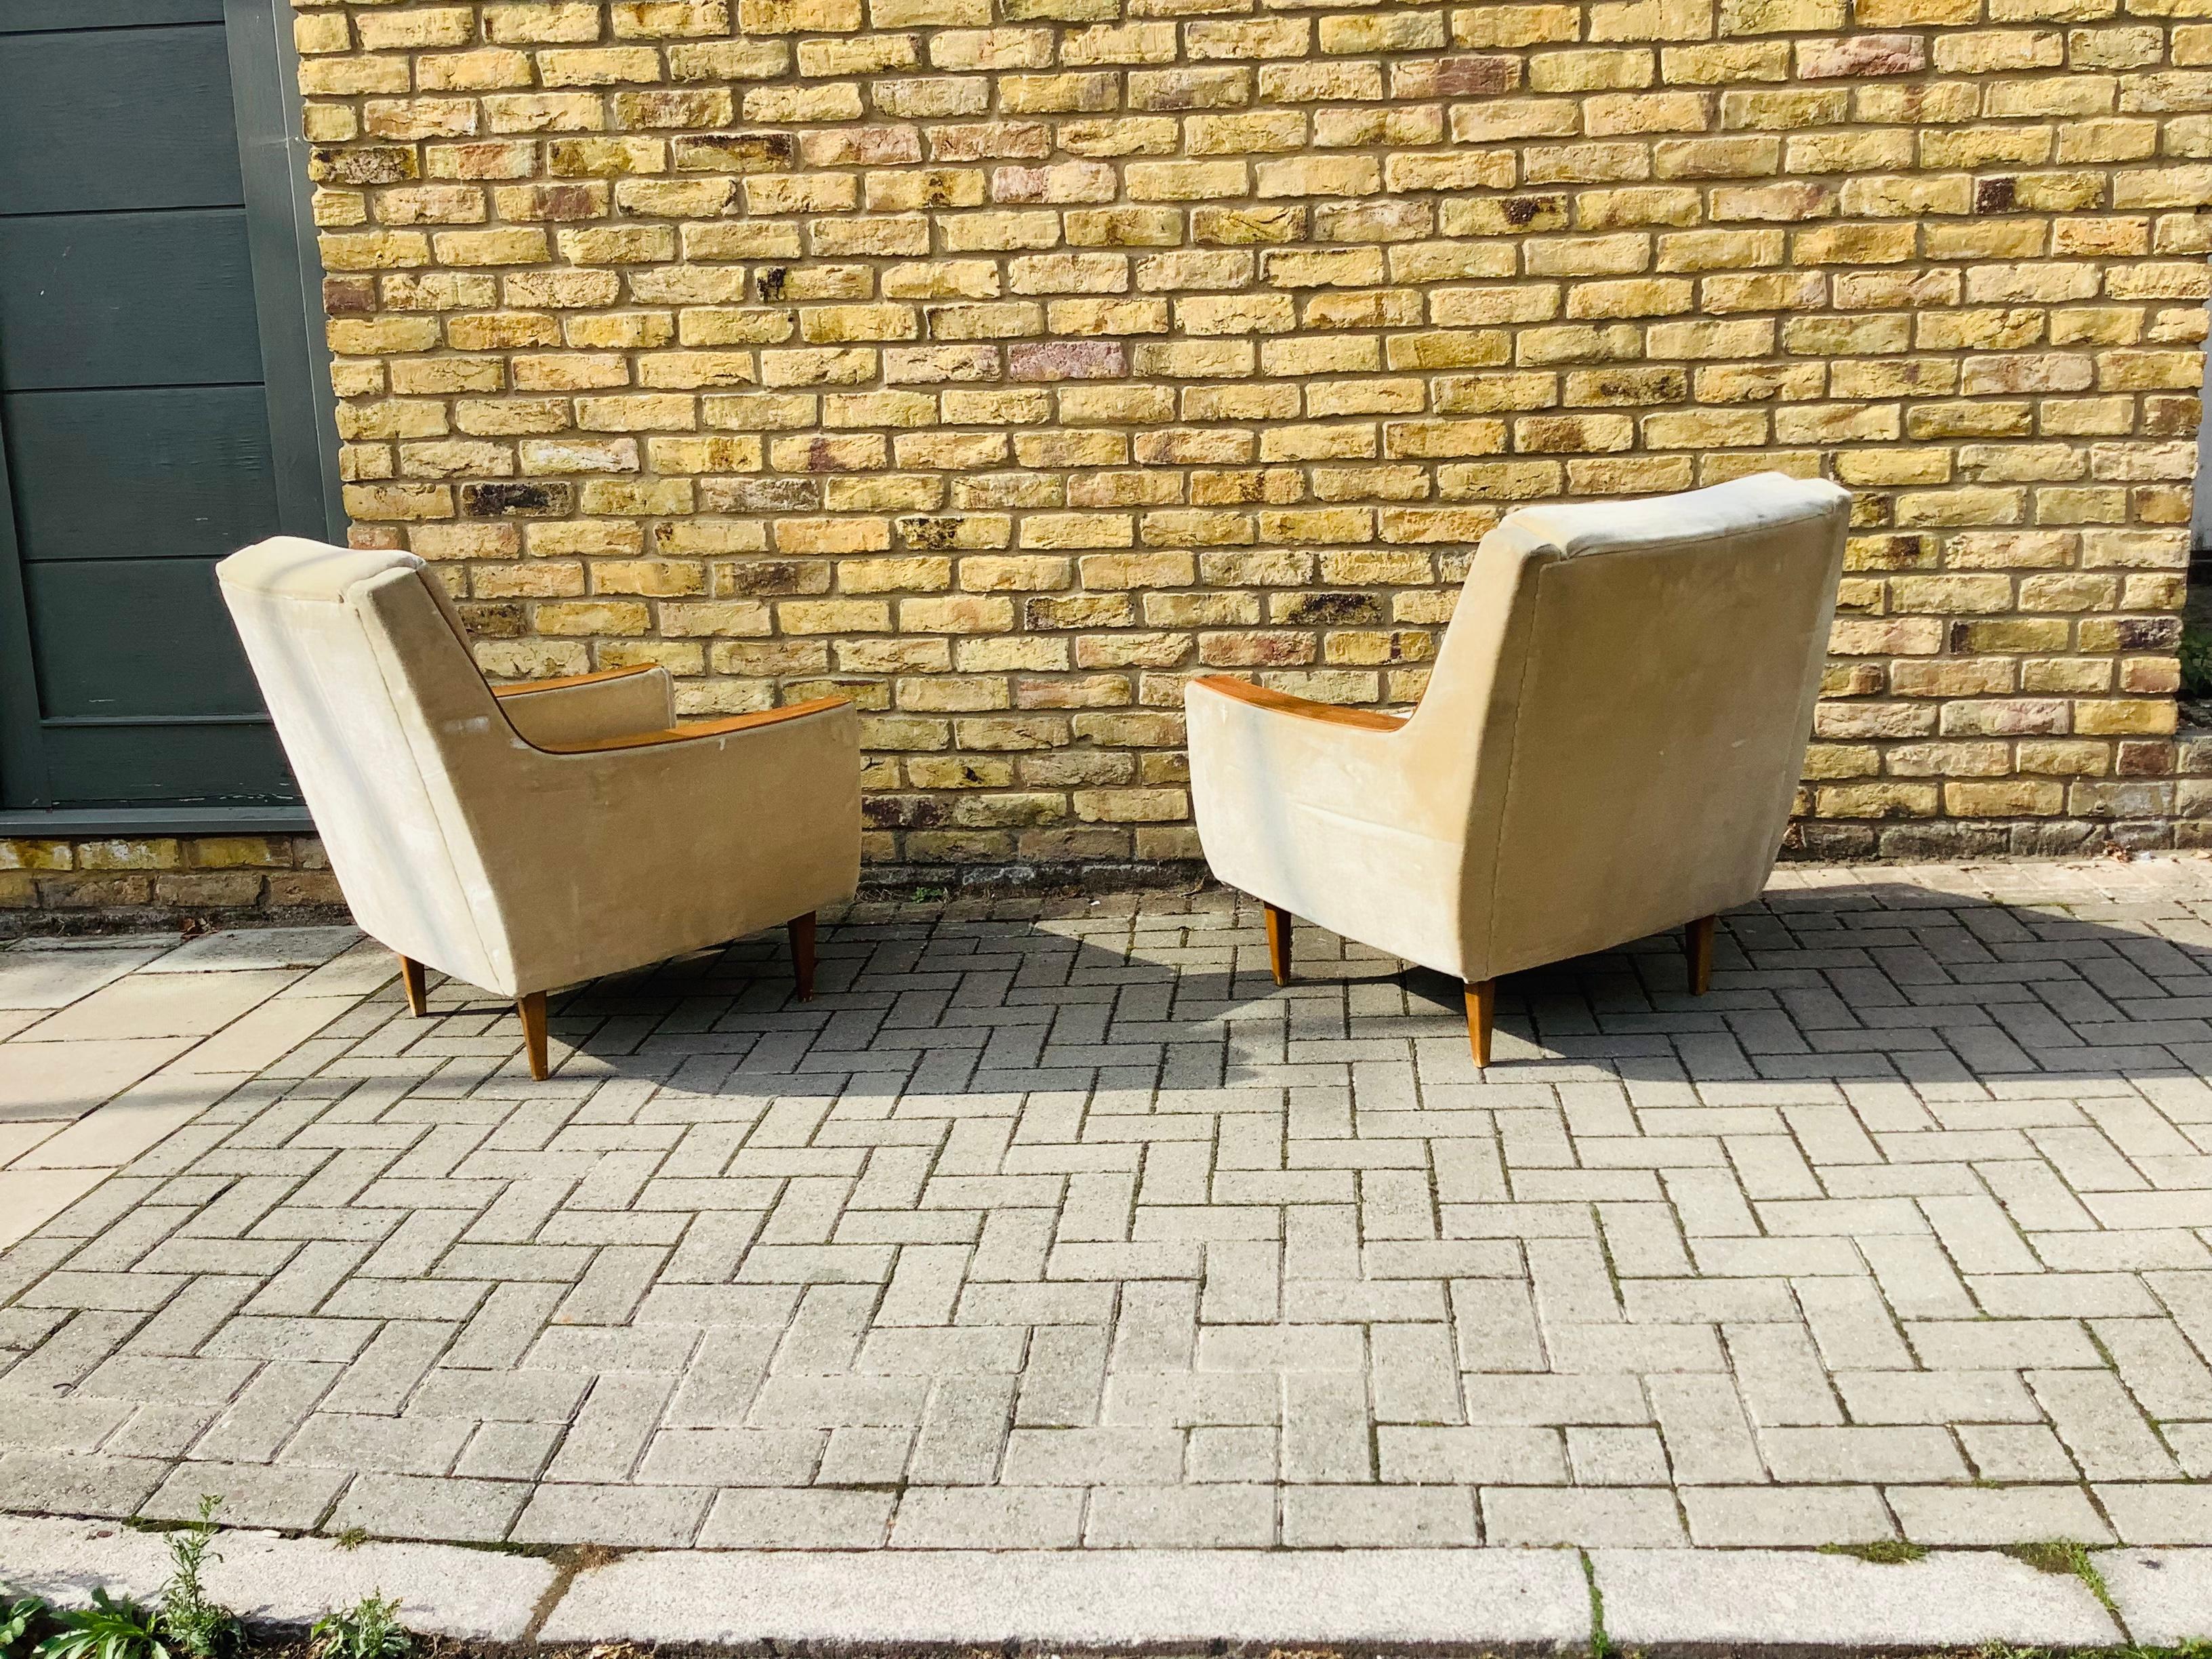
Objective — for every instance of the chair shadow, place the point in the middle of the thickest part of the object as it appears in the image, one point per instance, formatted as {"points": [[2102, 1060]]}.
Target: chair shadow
{"points": [[1854, 981]]}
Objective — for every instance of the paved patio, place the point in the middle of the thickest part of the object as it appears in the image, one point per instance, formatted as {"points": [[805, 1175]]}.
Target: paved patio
{"points": [[1058, 1225]]}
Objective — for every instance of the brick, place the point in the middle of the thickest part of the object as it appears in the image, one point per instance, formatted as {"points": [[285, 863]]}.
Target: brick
{"points": [[1058, 281]]}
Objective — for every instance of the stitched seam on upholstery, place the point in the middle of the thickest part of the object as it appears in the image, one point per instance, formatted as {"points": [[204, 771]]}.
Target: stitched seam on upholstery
{"points": [[691, 738], [1512, 766], [1338, 816], [1701, 537], [437, 814], [1335, 814]]}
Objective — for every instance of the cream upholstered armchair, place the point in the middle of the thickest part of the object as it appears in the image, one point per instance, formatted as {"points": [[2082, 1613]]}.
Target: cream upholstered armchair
{"points": [[529, 837], [1609, 744]]}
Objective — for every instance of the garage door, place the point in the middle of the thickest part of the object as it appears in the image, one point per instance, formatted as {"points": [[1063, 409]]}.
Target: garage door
{"points": [[146, 371]]}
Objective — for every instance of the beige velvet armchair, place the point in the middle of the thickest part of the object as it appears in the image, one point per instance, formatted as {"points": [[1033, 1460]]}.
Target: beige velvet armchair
{"points": [[528, 837], [1609, 744]]}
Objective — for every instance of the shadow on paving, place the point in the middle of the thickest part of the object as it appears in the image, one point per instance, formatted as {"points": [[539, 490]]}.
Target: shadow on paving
{"points": [[1879, 981]]}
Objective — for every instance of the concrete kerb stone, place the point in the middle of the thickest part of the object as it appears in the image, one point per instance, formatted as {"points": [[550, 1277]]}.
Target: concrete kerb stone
{"points": [[445, 1589], [1693, 1600], [1501, 1601], [2163, 1595]]}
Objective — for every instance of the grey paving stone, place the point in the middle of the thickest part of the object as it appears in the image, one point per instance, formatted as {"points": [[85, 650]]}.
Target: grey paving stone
{"points": [[1328, 1518], [421, 1506], [1752, 1516], [2165, 1595], [987, 1518], [2148, 1513], [85, 1484], [1706, 1597], [42, 974], [236, 948], [1120, 1598], [658, 1517], [2006, 1515], [253, 1494], [815, 1519], [1186, 1518], [1590, 1516], [1926, 1453], [1187, 1263]]}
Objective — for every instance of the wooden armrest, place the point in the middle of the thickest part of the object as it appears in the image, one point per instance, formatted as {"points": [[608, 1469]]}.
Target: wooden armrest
{"points": [[722, 727], [1282, 702], [567, 680]]}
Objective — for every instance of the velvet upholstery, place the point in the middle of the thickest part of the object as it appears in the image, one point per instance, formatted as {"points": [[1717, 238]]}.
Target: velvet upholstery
{"points": [[1609, 744], [535, 837]]}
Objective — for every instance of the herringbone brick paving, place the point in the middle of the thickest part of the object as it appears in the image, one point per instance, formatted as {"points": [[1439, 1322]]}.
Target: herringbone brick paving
{"points": [[1058, 1224]]}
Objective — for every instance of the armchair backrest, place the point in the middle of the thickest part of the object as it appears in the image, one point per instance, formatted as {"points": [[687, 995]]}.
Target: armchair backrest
{"points": [[367, 673], [1643, 676]]}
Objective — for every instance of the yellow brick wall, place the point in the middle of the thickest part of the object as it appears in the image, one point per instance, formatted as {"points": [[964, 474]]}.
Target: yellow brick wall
{"points": [[1000, 363], [46, 881]]}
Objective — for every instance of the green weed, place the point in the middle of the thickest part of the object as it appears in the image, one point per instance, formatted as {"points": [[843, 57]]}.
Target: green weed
{"points": [[1883, 1551], [16, 1620], [2195, 661], [2068, 1559], [201, 1627], [108, 1629], [369, 1629], [1601, 1640]]}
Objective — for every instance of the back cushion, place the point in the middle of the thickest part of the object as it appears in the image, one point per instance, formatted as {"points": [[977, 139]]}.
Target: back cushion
{"points": [[1665, 703], [345, 727]]}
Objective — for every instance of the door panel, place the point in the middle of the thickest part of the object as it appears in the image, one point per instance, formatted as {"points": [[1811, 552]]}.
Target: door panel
{"points": [[127, 299], [135, 637], [232, 764], [136, 439], [178, 472], [25, 17], [79, 132]]}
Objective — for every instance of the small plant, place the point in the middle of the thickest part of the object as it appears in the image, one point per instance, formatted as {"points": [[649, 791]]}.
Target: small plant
{"points": [[108, 1629], [16, 1619], [1882, 1552], [2067, 1558], [2196, 662], [1601, 1645], [370, 1629], [201, 1627]]}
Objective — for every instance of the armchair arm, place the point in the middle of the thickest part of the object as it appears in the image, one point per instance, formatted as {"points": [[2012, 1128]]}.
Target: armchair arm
{"points": [[1338, 816], [618, 851], [1349, 762], [690, 731], [580, 710], [1282, 702], [531, 688]]}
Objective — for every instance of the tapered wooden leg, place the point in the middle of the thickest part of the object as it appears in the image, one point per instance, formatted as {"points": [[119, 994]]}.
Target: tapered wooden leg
{"points": [[532, 1010], [1698, 941], [416, 986], [802, 953], [1481, 1004], [1278, 942]]}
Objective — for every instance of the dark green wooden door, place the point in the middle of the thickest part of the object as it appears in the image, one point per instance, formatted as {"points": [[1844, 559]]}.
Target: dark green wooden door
{"points": [[136, 405]]}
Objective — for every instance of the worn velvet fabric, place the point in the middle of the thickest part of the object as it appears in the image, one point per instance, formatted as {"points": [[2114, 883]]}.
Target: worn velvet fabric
{"points": [[1609, 744], [481, 835]]}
